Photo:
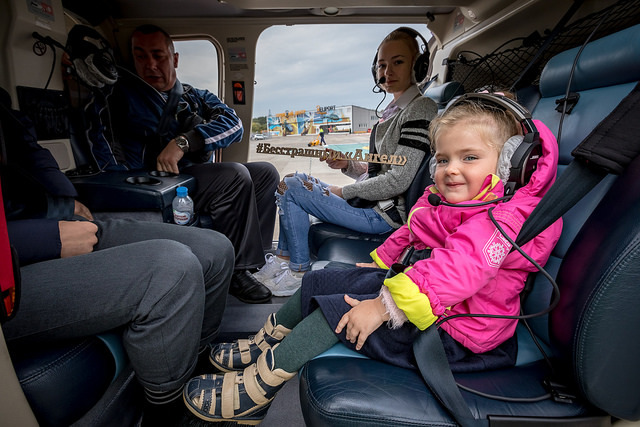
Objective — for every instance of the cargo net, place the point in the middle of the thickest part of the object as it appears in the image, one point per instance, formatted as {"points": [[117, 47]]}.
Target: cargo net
{"points": [[502, 69]]}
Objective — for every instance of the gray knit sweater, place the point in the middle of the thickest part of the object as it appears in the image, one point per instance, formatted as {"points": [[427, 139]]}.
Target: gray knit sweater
{"points": [[404, 134]]}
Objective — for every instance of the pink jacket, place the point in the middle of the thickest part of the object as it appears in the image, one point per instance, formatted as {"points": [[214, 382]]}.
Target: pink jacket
{"points": [[470, 269]]}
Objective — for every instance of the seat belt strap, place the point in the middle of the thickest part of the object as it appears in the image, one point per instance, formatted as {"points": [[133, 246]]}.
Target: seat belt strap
{"points": [[574, 183], [609, 148], [373, 168], [434, 368], [170, 107], [613, 144]]}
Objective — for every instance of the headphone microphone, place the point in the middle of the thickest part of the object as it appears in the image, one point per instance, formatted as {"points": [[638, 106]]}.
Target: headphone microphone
{"points": [[382, 80], [436, 200]]}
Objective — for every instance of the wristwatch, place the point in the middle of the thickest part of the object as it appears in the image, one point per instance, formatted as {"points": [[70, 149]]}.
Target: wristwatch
{"points": [[183, 143]]}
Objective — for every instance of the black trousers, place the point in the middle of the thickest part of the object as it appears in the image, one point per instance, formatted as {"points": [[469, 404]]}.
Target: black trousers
{"points": [[240, 199]]}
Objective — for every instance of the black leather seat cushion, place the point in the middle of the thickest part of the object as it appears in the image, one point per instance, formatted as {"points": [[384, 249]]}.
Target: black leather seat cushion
{"points": [[333, 391], [335, 243], [62, 381]]}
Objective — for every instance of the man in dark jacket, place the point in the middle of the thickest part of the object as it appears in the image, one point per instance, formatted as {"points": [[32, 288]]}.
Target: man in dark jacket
{"points": [[162, 124], [165, 285]]}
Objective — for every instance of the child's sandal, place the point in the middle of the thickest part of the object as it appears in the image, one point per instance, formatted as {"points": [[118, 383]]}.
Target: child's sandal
{"points": [[236, 356], [243, 397]]}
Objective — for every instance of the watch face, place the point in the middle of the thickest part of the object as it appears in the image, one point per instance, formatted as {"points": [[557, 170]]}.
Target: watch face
{"points": [[183, 143]]}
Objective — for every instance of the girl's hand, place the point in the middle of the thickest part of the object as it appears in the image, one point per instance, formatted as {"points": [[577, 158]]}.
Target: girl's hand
{"points": [[335, 162], [362, 320], [371, 264]]}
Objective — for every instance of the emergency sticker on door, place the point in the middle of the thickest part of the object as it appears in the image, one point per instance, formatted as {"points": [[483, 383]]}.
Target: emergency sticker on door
{"points": [[496, 249]]}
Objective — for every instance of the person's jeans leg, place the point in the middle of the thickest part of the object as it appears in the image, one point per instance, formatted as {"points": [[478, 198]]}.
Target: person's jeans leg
{"points": [[294, 223], [306, 196], [154, 289], [213, 250], [282, 247]]}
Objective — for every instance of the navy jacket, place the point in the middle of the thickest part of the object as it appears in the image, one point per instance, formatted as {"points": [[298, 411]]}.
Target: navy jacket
{"points": [[36, 193], [134, 139]]}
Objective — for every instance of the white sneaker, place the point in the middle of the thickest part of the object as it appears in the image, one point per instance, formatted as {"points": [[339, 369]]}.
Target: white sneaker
{"points": [[284, 284], [270, 269]]}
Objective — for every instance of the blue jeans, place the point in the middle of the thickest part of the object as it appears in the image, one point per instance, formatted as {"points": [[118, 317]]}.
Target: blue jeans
{"points": [[304, 196], [165, 286]]}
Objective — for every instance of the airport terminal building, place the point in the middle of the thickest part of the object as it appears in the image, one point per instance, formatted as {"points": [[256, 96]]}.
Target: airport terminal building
{"points": [[344, 119]]}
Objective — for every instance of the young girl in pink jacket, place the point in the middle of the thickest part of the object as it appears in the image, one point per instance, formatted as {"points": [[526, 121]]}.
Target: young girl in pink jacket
{"points": [[466, 267]]}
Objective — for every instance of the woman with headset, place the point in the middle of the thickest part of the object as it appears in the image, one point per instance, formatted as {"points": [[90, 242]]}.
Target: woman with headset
{"points": [[374, 203]]}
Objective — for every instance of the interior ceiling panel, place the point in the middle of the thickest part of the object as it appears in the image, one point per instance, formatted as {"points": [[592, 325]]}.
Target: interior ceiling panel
{"points": [[140, 9]]}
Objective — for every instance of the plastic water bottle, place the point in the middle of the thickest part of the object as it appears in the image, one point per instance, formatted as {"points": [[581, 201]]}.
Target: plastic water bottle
{"points": [[182, 207]]}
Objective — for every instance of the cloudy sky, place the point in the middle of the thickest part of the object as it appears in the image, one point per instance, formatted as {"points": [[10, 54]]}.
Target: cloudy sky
{"points": [[300, 67]]}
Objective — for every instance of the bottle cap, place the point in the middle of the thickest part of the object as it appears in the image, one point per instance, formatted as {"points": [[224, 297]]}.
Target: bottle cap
{"points": [[182, 191]]}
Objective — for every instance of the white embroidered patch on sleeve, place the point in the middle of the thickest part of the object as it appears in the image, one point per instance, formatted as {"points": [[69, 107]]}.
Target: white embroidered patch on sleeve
{"points": [[496, 249]]}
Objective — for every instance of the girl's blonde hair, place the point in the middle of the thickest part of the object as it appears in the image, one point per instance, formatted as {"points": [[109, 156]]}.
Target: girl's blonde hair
{"points": [[493, 124]]}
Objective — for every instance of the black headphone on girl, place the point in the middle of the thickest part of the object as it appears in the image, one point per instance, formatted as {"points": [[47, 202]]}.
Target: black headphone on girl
{"points": [[421, 64], [525, 159]]}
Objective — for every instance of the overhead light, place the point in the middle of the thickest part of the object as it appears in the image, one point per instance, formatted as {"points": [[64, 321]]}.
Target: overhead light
{"points": [[331, 11]]}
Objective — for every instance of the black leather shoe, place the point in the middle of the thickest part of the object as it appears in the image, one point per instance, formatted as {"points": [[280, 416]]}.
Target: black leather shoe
{"points": [[248, 289]]}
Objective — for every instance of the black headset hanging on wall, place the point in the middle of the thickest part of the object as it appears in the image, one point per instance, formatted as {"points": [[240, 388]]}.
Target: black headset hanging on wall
{"points": [[91, 56], [420, 66]]}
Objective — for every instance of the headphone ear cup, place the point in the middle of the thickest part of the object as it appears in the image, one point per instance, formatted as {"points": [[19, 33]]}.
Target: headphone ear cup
{"points": [[421, 67], [85, 74], [524, 161], [91, 56], [374, 70], [102, 65]]}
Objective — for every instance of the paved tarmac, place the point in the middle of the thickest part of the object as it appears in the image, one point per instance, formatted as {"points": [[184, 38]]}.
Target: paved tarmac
{"points": [[311, 165], [287, 164]]}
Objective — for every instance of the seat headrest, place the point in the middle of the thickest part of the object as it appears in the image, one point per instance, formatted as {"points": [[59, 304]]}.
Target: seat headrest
{"points": [[444, 93], [609, 61]]}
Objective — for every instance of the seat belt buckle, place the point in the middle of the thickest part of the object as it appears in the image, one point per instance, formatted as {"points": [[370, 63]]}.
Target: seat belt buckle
{"points": [[385, 205], [559, 392], [405, 256]]}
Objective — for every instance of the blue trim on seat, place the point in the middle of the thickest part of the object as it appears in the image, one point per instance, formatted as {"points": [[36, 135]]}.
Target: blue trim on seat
{"points": [[113, 341], [341, 350]]}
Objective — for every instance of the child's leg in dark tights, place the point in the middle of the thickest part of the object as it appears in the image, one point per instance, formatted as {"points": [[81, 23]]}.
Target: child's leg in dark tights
{"points": [[309, 338], [290, 314]]}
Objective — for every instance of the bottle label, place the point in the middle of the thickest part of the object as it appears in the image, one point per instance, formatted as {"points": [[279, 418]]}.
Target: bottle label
{"points": [[181, 217]]}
